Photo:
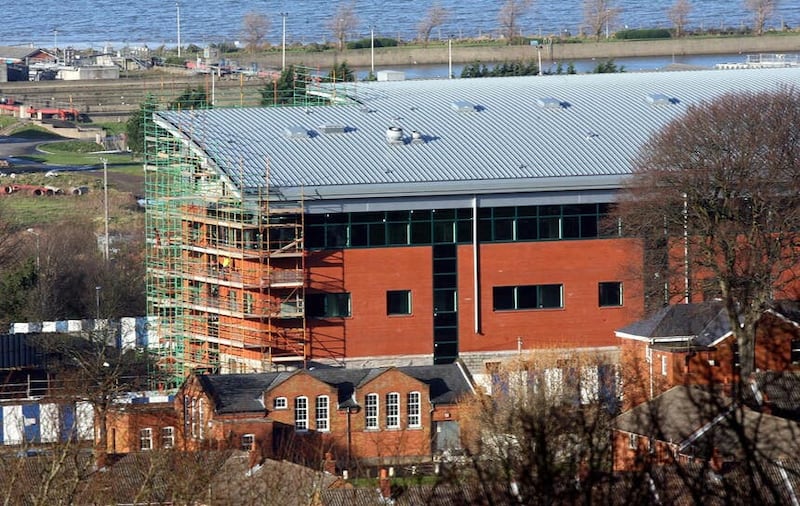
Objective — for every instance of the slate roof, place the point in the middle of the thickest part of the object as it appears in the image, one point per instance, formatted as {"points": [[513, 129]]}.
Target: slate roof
{"points": [[703, 323], [17, 52], [778, 390], [700, 419], [489, 135], [243, 393]]}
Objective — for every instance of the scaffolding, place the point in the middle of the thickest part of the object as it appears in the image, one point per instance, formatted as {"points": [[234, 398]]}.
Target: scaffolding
{"points": [[226, 266]]}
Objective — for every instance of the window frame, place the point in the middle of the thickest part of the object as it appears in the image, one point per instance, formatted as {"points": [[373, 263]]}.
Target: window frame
{"points": [[319, 411], [280, 403], [603, 297], [403, 297], [633, 441], [794, 351], [168, 437], [371, 411], [252, 442], [518, 293], [146, 439], [392, 410], [414, 410], [324, 302], [300, 422]]}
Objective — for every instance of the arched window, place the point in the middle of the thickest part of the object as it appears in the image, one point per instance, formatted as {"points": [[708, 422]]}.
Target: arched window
{"points": [[323, 413], [371, 412], [301, 413], [413, 407], [393, 410]]}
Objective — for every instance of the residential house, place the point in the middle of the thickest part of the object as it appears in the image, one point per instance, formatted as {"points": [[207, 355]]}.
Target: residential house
{"points": [[700, 423], [692, 344]]}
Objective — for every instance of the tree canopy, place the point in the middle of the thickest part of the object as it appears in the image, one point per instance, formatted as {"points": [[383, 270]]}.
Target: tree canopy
{"points": [[714, 196]]}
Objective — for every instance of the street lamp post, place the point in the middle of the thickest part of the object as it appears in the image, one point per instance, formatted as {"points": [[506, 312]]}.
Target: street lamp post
{"points": [[178, 13], [450, 57], [38, 263], [372, 49], [105, 205], [283, 49]]}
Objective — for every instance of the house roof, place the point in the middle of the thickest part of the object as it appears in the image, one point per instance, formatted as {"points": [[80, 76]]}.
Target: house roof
{"points": [[484, 136], [778, 390], [17, 52], [699, 420], [241, 393], [702, 324]]}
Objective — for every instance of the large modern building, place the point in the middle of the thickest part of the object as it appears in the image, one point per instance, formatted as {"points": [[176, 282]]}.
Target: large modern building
{"points": [[409, 222]]}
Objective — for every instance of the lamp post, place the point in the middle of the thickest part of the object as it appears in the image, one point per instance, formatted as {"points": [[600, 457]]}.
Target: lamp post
{"points": [[178, 13], [283, 49], [97, 300], [55, 42], [372, 49], [38, 263], [450, 57], [105, 205]]}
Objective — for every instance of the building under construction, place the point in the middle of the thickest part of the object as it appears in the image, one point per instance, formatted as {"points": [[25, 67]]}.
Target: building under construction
{"points": [[405, 222]]}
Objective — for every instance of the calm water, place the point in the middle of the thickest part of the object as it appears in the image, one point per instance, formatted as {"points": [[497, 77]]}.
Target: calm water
{"points": [[95, 23]]}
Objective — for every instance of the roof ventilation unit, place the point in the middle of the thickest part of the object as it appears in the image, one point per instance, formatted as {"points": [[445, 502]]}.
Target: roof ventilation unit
{"points": [[658, 99], [548, 103], [394, 134], [417, 137], [295, 132], [463, 106], [332, 129]]}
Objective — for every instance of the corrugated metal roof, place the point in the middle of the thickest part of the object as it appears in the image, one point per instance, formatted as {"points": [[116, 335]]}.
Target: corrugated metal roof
{"points": [[509, 142]]}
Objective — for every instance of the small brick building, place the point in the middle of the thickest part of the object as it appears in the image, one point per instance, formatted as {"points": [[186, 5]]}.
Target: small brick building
{"points": [[692, 344], [346, 416]]}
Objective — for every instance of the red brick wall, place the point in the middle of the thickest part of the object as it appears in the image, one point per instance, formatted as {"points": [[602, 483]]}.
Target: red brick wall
{"points": [[125, 421], [274, 429], [632, 459], [579, 265]]}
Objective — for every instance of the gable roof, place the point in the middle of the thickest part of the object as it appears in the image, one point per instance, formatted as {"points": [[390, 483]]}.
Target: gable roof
{"points": [[19, 53], [701, 324], [242, 393], [488, 135], [699, 420]]}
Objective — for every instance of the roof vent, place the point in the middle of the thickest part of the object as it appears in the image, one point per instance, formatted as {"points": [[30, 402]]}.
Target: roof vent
{"points": [[463, 106], [659, 99], [295, 132], [394, 134], [332, 129], [549, 103], [417, 137]]}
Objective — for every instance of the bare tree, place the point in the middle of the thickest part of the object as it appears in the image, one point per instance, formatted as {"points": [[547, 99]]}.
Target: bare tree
{"points": [[435, 16], [542, 436], [509, 16], [254, 30], [598, 15], [714, 199], [343, 22], [761, 9], [679, 15]]}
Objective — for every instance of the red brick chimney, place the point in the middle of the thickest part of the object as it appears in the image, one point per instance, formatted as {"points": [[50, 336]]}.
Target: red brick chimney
{"points": [[329, 464], [385, 485], [716, 461]]}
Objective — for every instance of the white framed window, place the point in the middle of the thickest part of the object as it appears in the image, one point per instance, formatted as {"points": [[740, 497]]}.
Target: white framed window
{"points": [[248, 442], [168, 437], [663, 365], [371, 412], [146, 439], [200, 420], [393, 410], [301, 413], [323, 413], [193, 416], [280, 403], [413, 407], [633, 441]]}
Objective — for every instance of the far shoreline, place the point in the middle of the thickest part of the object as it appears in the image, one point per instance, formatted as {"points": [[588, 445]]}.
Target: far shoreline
{"points": [[439, 54]]}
